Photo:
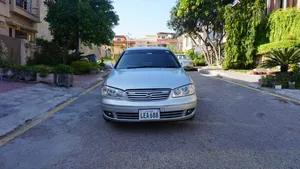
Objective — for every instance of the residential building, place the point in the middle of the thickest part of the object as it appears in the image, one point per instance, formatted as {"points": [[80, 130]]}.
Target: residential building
{"points": [[165, 35], [121, 42], [18, 28], [277, 4], [151, 40], [188, 43], [161, 39], [43, 26], [141, 42]]}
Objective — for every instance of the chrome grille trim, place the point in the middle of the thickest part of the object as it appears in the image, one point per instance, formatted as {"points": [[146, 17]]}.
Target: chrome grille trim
{"points": [[148, 94], [163, 115]]}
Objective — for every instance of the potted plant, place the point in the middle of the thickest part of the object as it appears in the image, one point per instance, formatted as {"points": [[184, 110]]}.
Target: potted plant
{"points": [[64, 75], [292, 85], [3, 65], [8, 71], [278, 85], [18, 72], [29, 73], [45, 74]]}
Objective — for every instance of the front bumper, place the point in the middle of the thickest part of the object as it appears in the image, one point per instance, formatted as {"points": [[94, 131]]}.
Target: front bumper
{"points": [[172, 109]]}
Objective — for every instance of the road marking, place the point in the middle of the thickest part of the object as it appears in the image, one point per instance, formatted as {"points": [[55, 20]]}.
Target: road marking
{"points": [[35, 122], [255, 89]]}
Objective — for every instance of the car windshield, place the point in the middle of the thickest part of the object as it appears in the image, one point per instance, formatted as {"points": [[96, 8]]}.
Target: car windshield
{"points": [[147, 59]]}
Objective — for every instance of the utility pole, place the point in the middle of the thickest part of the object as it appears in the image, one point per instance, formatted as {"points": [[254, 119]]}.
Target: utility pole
{"points": [[128, 40], [79, 40]]}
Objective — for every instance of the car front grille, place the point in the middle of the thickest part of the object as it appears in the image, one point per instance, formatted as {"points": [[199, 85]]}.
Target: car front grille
{"points": [[163, 115], [148, 94]]}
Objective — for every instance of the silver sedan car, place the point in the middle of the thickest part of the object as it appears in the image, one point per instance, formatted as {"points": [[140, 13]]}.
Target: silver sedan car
{"points": [[184, 60], [148, 84]]}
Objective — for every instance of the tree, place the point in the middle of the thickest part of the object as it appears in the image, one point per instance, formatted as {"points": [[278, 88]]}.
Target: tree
{"points": [[202, 19], [241, 25], [91, 20], [283, 58]]}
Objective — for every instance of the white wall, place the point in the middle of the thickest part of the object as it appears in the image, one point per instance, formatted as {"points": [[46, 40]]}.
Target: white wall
{"points": [[43, 27]]}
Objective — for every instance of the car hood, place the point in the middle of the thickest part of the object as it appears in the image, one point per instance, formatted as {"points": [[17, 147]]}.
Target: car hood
{"points": [[146, 78]]}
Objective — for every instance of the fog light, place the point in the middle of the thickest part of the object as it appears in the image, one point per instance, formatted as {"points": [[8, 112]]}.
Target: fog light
{"points": [[189, 111], [109, 114]]}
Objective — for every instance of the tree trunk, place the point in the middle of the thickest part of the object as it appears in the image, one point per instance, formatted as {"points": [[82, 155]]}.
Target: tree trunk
{"points": [[284, 68]]}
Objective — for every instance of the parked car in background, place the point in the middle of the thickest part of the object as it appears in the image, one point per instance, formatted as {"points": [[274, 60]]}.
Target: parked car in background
{"points": [[184, 60], [148, 84]]}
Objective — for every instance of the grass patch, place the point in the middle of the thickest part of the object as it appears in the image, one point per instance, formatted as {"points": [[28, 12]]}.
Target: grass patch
{"points": [[239, 70]]}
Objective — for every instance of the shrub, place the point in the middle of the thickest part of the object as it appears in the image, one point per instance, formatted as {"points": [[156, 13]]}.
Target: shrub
{"points": [[283, 78], [200, 60], [295, 76], [51, 54], [267, 81], [108, 58], [101, 63], [283, 58], [83, 67], [226, 63], [266, 48], [191, 54], [283, 25], [63, 69], [44, 70], [3, 63]]}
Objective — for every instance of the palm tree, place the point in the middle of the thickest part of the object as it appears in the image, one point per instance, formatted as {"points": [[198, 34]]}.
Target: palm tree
{"points": [[283, 58]]}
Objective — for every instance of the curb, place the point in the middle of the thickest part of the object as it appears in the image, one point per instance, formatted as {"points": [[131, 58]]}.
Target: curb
{"points": [[103, 76]]}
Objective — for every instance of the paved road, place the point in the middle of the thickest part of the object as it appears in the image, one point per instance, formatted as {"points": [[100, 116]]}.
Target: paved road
{"points": [[235, 128]]}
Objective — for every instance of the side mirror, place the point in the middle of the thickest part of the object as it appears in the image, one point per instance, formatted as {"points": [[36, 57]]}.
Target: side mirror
{"points": [[109, 66]]}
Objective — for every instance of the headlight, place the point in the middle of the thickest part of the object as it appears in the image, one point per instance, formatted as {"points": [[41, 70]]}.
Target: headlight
{"points": [[184, 91], [112, 92]]}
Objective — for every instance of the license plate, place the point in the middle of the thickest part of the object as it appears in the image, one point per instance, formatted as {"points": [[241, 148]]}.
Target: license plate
{"points": [[151, 114]]}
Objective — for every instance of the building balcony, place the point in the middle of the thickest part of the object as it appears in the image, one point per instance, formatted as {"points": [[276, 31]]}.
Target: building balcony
{"points": [[25, 9]]}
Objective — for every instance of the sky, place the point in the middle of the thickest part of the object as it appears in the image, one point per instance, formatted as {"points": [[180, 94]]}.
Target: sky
{"points": [[142, 17]]}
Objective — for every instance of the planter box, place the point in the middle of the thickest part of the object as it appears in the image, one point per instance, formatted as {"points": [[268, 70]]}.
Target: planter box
{"points": [[278, 86], [1, 70], [8, 72], [292, 85], [65, 80], [93, 72], [50, 78], [29, 76]]}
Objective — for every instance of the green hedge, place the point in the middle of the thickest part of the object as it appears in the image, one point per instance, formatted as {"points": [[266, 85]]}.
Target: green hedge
{"points": [[284, 25], [83, 67], [265, 48]]}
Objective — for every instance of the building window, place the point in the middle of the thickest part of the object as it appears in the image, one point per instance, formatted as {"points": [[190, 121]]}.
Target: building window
{"points": [[25, 4], [158, 37], [118, 39], [10, 32], [20, 34], [163, 37]]}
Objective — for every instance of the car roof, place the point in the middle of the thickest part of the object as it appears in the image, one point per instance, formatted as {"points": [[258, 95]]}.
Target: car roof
{"points": [[146, 48]]}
